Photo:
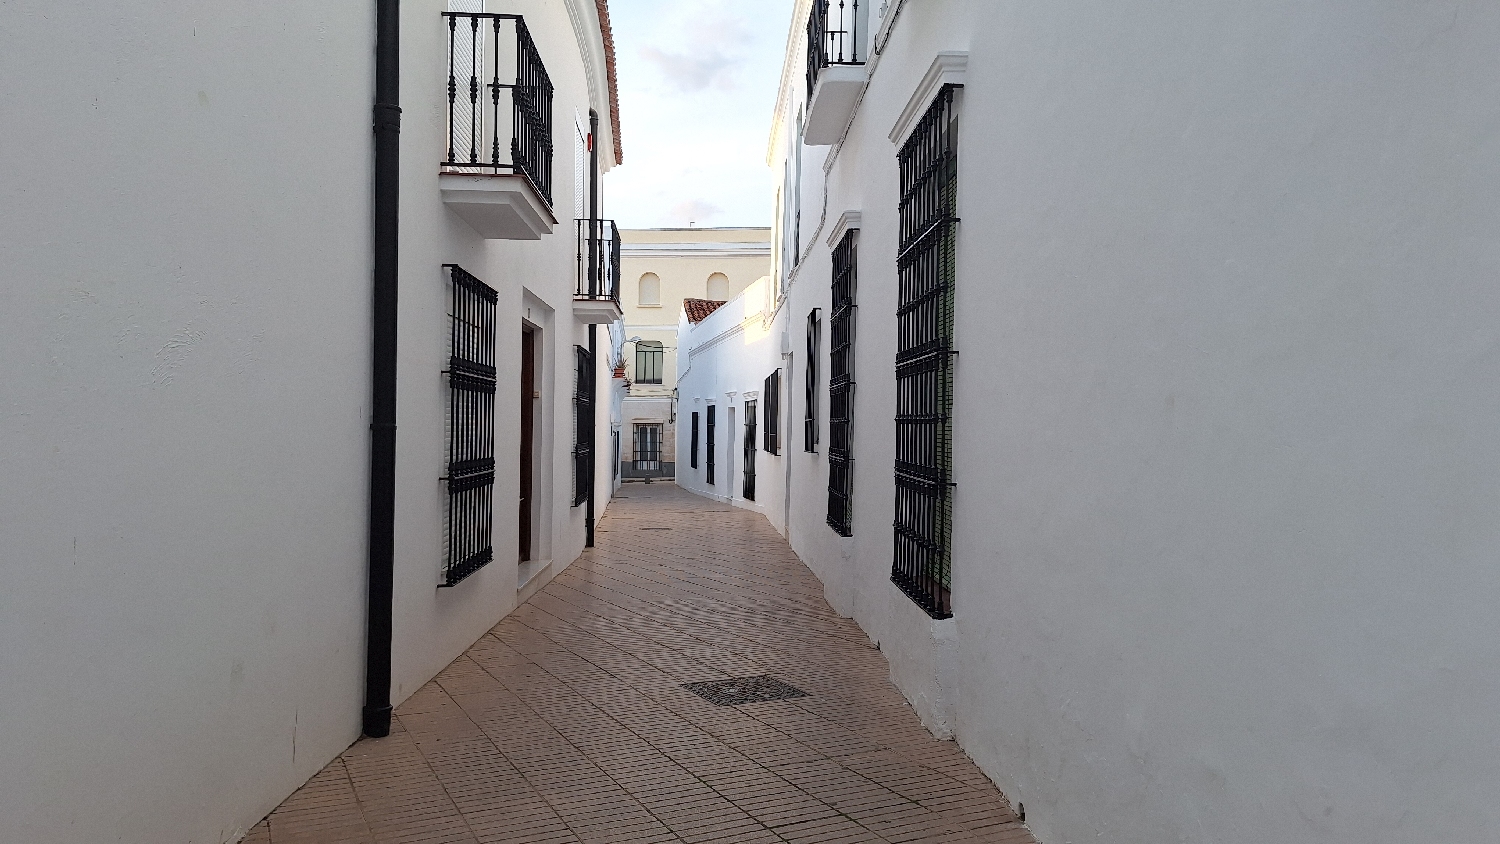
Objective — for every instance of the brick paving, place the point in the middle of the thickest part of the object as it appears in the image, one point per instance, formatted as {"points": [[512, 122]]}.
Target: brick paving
{"points": [[568, 721]]}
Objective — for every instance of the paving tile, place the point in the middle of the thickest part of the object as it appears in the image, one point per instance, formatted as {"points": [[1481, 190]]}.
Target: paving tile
{"points": [[567, 722]]}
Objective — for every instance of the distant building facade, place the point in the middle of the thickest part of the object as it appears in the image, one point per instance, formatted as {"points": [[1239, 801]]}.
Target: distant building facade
{"points": [[660, 269]]}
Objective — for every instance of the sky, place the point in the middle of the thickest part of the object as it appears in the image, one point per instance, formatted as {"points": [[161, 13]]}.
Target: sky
{"points": [[698, 82]]}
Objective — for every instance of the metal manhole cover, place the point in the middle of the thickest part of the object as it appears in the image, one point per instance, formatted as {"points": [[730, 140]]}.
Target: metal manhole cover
{"points": [[742, 690]]}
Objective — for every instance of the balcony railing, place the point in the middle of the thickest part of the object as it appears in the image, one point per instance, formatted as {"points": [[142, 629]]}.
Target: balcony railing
{"points": [[480, 140], [835, 35], [598, 261]]}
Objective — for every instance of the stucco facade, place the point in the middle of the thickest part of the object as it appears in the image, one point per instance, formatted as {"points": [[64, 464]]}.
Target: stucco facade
{"points": [[659, 269], [186, 265], [1222, 531]]}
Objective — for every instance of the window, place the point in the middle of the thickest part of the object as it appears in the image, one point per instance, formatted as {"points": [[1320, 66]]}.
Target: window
{"points": [[922, 563], [772, 444], [648, 447], [841, 386], [583, 424], [471, 427], [693, 450], [709, 446], [810, 417], [649, 294], [718, 287], [749, 487], [649, 358]]}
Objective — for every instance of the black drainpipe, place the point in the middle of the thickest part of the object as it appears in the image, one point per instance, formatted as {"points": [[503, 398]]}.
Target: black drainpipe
{"points": [[595, 279], [377, 710]]}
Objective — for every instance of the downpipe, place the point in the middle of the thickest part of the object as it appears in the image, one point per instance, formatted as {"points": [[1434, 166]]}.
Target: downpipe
{"points": [[382, 524], [595, 279]]}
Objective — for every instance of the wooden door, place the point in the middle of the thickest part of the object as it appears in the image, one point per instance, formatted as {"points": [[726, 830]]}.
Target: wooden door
{"points": [[528, 420]]}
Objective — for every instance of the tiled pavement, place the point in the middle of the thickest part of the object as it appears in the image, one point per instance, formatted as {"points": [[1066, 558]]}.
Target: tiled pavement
{"points": [[568, 722]]}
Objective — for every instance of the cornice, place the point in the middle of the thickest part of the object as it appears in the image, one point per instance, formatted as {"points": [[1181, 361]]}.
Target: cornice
{"points": [[947, 69], [695, 250], [849, 220]]}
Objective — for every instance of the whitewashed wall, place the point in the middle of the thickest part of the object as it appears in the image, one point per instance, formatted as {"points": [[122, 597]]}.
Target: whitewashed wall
{"points": [[184, 320], [724, 361], [1224, 531]]}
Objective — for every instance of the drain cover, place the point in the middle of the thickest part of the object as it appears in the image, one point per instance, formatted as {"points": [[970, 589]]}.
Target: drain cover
{"points": [[742, 690]]}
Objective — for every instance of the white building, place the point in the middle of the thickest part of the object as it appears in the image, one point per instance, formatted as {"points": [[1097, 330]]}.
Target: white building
{"points": [[1153, 354], [660, 269], [190, 547], [729, 436]]}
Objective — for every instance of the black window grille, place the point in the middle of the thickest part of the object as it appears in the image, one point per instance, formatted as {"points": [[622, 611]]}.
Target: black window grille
{"points": [[693, 449], [615, 438], [708, 446], [480, 47], [471, 427], [841, 386], [749, 452], [583, 424], [650, 359], [835, 33], [648, 448], [772, 406], [810, 375], [922, 564]]}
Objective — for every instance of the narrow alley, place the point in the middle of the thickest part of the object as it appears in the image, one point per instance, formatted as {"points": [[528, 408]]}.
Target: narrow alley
{"points": [[570, 722]]}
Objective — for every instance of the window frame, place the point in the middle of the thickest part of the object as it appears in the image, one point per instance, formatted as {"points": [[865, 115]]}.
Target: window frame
{"points": [[648, 348]]}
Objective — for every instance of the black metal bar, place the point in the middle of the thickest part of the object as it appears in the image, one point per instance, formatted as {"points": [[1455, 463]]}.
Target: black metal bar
{"points": [[531, 91], [709, 445], [376, 714], [748, 490], [833, 37], [921, 562], [471, 444], [841, 384], [693, 443], [772, 410]]}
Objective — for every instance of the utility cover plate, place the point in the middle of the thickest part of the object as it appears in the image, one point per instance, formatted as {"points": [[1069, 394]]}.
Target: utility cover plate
{"points": [[738, 691]]}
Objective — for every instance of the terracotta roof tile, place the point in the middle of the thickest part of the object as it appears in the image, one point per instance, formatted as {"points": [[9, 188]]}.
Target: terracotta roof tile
{"points": [[609, 71], [699, 309]]}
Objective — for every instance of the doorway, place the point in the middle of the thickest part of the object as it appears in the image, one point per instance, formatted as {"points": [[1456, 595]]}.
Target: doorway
{"points": [[528, 431]]}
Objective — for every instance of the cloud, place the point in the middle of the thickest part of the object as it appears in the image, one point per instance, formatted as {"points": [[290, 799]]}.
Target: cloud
{"points": [[695, 211], [717, 41], [693, 73]]}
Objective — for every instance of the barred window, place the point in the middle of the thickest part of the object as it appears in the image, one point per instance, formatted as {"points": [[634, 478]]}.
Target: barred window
{"points": [[709, 447], [772, 443], [810, 376], [583, 424], [693, 450], [841, 386], [749, 452], [922, 563], [649, 358], [471, 427]]}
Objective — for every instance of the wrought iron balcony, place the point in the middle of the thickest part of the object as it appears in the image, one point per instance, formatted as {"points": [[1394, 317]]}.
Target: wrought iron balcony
{"points": [[596, 298], [499, 124], [836, 50]]}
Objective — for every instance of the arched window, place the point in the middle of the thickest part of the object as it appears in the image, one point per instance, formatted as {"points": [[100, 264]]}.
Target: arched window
{"points": [[650, 291], [718, 287]]}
